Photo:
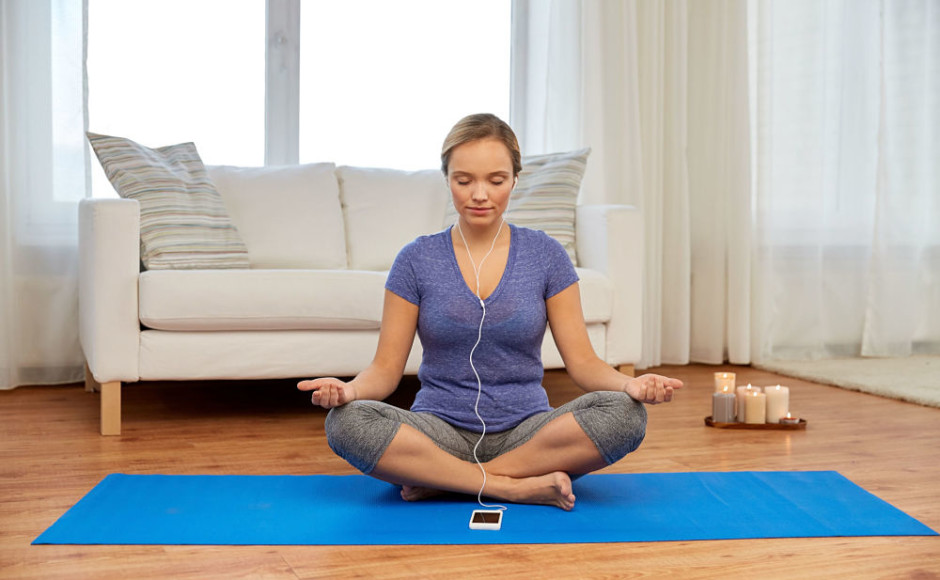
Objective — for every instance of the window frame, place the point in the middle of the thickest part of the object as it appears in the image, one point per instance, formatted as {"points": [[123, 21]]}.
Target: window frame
{"points": [[282, 82]]}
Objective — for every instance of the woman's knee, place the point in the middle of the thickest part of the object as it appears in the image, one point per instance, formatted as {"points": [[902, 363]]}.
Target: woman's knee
{"points": [[615, 422], [634, 413], [339, 422], [359, 433]]}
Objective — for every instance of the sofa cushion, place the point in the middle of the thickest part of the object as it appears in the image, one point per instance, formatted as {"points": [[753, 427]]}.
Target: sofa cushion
{"points": [[386, 208], [289, 217], [210, 300], [261, 299], [546, 197], [183, 222]]}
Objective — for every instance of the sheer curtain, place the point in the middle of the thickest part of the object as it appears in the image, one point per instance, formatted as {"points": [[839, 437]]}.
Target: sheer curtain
{"points": [[658, 90], [42, 176], [847, 133], [785, 156]]}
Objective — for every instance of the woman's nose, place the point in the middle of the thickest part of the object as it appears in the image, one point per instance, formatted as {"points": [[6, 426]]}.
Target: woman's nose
{"points": [[479, 192]]}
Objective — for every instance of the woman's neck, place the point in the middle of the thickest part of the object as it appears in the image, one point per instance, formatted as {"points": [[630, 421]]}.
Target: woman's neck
{"points": [[480, 239]]}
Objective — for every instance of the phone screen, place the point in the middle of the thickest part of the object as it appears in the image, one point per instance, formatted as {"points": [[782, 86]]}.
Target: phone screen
{"points": [[486, 517]]}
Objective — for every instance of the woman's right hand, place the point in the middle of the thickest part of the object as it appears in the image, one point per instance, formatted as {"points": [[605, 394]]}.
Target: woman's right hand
{"points": [[329, 392]]}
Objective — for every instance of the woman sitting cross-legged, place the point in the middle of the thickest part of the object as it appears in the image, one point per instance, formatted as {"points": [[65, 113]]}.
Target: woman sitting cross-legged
{"points": [[479, 295]]}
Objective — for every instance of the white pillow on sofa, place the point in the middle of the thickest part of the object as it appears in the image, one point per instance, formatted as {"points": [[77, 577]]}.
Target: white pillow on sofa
{"points": [[288, 216], [387, 208]]}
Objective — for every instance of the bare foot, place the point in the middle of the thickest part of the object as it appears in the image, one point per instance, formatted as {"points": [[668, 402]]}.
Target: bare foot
{"points": [[550, 489], [417, 493]]}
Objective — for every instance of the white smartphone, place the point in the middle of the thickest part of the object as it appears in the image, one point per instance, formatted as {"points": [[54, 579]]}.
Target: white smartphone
{"points": [[486, 519]]}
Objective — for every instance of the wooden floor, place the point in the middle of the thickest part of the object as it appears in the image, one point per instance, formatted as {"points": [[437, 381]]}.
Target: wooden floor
{"points": [[51, 455]]}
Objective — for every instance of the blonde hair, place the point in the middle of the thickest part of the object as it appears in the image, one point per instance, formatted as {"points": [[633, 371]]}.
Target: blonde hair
{"points": [[481, 126]]}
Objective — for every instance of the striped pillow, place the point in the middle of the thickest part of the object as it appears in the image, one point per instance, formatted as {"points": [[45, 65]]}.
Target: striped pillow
{"points": [[546, 197], [183, 222]]}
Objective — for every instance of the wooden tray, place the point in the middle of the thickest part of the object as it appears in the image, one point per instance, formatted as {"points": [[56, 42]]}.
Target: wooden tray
{"points": [[771, 426]]}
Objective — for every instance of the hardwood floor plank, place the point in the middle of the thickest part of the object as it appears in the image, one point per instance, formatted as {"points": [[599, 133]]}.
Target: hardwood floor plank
{"points": [[51, 454]]}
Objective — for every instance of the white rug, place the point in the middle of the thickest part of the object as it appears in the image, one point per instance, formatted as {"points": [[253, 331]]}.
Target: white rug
{"points": [[915, 379]]}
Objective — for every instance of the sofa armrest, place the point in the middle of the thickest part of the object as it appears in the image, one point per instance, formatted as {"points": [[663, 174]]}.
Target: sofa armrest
{"points": [[610, 239], [109, 267]]}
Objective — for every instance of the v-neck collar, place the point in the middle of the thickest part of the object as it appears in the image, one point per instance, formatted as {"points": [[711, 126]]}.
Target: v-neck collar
{"points": [[502, 279]]}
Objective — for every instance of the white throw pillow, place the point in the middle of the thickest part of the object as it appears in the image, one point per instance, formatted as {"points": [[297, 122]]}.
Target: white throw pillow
{"points": [[183, 222], [546, 197], [289, 216], [387, 208]]}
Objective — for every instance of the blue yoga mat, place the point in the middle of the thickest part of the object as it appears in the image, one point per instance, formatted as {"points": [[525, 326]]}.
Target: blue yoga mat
{"points": [[357, 510]]}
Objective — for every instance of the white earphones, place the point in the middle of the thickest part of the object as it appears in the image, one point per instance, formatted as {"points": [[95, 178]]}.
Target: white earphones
{"points": [[476, 406]]}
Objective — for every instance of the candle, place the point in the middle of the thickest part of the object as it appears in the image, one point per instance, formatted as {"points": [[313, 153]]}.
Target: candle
{"points": [[755, 403], [778, 402], [790, 420], [724, 382], [739, 401], [723, 407]]}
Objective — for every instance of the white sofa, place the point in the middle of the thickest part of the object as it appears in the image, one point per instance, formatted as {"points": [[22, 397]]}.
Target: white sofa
{"points": [[320, 241]]}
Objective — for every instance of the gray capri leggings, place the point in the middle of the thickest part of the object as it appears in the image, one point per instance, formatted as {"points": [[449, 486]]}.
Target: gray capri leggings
{"points": [[361, 431]]}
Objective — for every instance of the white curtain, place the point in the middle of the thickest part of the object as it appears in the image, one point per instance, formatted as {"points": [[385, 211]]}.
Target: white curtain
{"points": [[785, 156], [847, 111], [42, 176], [720, 183], [659, 91]]}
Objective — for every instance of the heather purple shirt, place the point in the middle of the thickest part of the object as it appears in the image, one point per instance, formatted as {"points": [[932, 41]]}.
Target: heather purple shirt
{"points": [[508, 358]]}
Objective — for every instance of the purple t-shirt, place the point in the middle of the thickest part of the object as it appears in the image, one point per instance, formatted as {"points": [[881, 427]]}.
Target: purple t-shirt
{"points": [[508, 358]]}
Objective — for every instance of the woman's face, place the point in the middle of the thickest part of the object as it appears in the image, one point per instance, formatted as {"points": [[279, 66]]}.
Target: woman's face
{"points": [[481, 179]]}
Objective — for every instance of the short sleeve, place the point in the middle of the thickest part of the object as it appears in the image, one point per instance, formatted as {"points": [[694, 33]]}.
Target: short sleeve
{"points": [[560, 271], [402, 280]]}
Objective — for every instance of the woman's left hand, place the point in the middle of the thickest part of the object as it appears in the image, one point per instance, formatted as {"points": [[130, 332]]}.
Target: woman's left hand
{"points": [[652, 389]]}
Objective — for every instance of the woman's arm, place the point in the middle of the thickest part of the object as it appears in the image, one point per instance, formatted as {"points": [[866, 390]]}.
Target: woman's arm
{"points": [[586, 369], [381, 377]]}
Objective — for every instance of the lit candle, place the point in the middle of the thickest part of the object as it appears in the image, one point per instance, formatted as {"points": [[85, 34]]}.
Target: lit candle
{"points": [[755, 403], [778, 402], [790, 420], [723, 407], [724, 382], [740, 394]]}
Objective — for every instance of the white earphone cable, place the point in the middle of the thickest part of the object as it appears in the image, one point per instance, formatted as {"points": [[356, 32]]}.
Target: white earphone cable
{"points": [[476, 406]]}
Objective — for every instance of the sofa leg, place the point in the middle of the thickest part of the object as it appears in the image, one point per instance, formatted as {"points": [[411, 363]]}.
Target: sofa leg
{"points": [[627, 370], [111, 408]]}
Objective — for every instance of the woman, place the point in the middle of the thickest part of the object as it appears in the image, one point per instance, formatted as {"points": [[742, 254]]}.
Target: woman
{"points": [[487, 288]]}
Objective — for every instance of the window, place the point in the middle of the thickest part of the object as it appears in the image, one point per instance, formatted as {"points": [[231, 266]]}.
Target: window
{"points": [[816, 82], [45, 115], [378, 83], [382, 82], [169, 71]]}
